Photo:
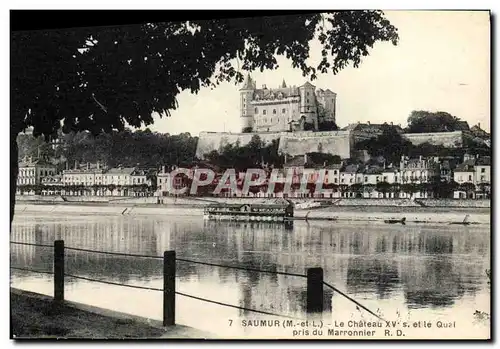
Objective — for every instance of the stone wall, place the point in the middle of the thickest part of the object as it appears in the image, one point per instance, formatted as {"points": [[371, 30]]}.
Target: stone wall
{"points": [[332, 142], [208, 141], [296, 143], [448, 139]]}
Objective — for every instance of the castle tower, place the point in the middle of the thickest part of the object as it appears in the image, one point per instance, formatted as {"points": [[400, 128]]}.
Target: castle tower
{"points": [[307, 108], [246, 110], [330, 104]]}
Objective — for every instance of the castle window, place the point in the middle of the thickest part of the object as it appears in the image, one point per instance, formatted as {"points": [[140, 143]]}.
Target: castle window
{"points": [[307, 100], [283, 111], [256, 110], [274, 111], [307, 93], [264, 112]]}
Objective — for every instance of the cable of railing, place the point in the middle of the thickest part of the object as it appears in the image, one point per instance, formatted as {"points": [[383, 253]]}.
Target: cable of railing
{"points": [[235, 306], [353, 300], [29, 244], [112, 253], [114, 283], [240, 268], [33, 270]]}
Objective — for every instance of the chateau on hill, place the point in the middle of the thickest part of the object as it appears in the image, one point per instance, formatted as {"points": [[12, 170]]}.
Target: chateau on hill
{"points": [[285, 108]]}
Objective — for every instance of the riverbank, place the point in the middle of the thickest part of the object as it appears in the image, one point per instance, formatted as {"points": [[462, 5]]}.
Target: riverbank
{"points": [[187, 201], [35, 316], [412, 215]]}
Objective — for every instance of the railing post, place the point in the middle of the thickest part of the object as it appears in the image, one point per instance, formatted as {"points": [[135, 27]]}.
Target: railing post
{"points": [[169, 288], [315, 290], [59, 270]]}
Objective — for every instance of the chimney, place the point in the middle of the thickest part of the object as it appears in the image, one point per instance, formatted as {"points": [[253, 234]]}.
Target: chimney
{"points": [[286, 158], [98, 165], [88, 166], [305, 158], [76, 164], [479, 125], [420, 158], [392, 124], [368, 122], [163, 169], [67, 165], [264, 86]]}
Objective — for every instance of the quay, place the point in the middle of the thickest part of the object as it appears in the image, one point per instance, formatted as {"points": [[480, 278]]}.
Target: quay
{"points": [[36, 316]]}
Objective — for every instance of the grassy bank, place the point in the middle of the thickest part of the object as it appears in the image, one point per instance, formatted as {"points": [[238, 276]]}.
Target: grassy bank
{"points": [[36, 316]]}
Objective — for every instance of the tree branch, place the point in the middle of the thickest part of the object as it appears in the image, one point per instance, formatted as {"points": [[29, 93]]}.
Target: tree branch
{"points": [[99, 104]]}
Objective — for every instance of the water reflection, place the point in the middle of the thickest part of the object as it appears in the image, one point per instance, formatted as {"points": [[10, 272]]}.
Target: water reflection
{"points": [[412, 266]]}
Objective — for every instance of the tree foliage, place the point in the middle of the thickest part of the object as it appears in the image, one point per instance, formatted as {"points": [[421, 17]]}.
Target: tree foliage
{"points": [[322, 159], [255, 154], [327, 126], [100, 79], [421, 121], [390, 145], [126, 148]]}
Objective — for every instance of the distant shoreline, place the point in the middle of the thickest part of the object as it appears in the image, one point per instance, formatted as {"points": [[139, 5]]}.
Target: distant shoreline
{"points": [[341, 213]]}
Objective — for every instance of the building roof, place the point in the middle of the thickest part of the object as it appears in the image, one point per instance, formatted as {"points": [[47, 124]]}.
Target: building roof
{"points": [[477, 131], [249, 84], [271, 94], [37, 162], [462, 126], [466, 166], [308, 84], [121, 170], [352, 168], [373, 170], [484, 161], [140, 172]]}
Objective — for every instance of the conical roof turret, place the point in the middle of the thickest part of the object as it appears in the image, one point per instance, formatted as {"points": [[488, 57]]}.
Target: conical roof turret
{"points": [[249, 84]]}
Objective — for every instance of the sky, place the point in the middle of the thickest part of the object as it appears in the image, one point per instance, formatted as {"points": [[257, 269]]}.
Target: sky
{"points": [[442, 63]]}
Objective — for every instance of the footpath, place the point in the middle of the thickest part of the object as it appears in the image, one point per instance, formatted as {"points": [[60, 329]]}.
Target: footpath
{"points": [[35, 316]]}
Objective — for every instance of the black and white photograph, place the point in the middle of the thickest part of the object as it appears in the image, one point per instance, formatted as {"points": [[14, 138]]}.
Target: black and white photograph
{"points": [[228, 175]]}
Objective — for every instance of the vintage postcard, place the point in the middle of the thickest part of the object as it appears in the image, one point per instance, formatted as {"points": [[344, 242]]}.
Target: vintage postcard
{"points": [[276, 176]]}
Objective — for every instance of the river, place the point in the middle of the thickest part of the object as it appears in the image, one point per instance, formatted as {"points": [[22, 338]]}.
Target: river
{"points": [[413, 272]]}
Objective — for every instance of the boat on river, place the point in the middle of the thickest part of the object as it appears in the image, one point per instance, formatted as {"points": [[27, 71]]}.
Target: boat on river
{"points": [[279, 211]]}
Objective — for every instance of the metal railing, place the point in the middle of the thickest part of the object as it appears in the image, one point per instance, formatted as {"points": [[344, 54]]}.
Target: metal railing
{"points": [[314, 276]]}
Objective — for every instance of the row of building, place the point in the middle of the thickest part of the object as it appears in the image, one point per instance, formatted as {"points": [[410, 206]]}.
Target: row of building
{"points": [[123, 181], [470, 179]]}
